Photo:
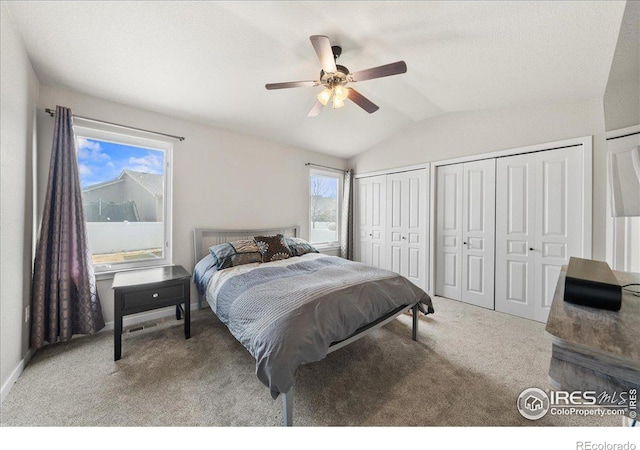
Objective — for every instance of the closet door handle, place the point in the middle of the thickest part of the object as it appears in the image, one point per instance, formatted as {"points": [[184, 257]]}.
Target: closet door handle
{"points": [[404, 238], [530, 249], [464, 243], [371, 234]]}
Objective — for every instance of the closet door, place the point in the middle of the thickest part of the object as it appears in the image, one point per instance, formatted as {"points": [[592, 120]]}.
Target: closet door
{"points": [[539, 227], [515, 235], [478, 233], [407, 206], [559, 220], [448, 264], [371, 207]]}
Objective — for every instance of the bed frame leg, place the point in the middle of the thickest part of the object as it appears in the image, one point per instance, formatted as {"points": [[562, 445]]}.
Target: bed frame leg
{"points": [[414, 332], [287, 408]]}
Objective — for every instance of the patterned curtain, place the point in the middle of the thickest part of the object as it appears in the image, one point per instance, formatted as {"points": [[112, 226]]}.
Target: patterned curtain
{"points": [[346, 235], [64, 297]]}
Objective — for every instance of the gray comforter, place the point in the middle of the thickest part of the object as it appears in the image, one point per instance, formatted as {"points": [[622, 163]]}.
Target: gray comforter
{"points": [[290, 315]]}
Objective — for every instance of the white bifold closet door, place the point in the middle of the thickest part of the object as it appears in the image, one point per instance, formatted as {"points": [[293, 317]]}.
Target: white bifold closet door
{"points": [[478, 232], [406, 225], [448, 264], [371, 196], [539, 226], [466, 232]]}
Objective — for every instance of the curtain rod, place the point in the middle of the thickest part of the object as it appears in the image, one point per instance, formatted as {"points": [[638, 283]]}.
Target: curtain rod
{"points": [[180, 138], [326, 167]]}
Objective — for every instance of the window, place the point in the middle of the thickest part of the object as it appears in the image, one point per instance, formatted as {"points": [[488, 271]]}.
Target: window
{"points": [[126, 197], [325, 192], [623, 230]]}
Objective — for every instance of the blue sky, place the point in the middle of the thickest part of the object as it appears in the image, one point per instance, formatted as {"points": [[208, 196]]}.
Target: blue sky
{"points": [[100, 161]]}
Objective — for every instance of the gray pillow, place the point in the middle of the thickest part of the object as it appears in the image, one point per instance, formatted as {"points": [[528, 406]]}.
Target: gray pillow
{"points": [[300, 247]]}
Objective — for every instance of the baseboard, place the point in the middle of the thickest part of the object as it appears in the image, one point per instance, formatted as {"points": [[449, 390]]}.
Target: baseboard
{"points": [[6, 387], [133, 319]]}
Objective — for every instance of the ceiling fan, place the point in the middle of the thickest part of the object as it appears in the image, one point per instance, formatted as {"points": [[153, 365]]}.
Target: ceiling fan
{"points": [[335, 78]]}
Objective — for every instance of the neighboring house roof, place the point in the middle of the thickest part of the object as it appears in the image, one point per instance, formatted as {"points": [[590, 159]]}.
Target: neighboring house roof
{"points": [[150, 181], [102, 184]]}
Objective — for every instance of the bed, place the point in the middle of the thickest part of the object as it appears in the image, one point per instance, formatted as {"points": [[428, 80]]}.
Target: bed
{"points": [[299, 305]]}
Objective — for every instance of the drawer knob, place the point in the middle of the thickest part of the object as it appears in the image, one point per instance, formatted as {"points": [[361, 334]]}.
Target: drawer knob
{"points": [[155, 295]]}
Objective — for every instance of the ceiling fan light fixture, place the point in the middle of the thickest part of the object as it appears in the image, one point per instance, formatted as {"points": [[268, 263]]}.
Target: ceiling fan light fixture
{"points": [[333, 78], [325, 96], [340, 92]]}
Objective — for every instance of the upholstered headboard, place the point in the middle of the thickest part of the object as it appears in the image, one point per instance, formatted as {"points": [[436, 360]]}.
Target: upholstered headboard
{"points": [[203, 238]]}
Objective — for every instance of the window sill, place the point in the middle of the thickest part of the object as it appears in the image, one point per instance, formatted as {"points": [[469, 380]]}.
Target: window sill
{"points": [[327, 246], [105, 276], [328, 249], [109, 274]]}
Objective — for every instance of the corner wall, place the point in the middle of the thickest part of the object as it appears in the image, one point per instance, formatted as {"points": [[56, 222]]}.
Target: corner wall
{"points": [[622, 104], [17, 149], [622, 96]]}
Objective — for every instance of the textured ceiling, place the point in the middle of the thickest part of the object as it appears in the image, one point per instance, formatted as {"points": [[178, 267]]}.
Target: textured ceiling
{"points": [[208, 61]]}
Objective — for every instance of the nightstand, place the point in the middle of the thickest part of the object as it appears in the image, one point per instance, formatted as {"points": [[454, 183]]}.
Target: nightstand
{"points": [[143, 290]]}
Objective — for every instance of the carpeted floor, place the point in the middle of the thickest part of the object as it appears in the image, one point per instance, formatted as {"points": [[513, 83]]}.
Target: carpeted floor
{"points": [[467, 369]]}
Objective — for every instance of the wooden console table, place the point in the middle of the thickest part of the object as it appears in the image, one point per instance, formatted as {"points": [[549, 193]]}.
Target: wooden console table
{"points": [[595, 349]]}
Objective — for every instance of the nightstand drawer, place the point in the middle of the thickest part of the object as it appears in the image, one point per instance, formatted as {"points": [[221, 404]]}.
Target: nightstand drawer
{"points": [[151, 296]]}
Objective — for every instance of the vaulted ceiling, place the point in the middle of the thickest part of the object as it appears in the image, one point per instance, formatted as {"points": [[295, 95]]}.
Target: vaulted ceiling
{"points": [[209, 61]]}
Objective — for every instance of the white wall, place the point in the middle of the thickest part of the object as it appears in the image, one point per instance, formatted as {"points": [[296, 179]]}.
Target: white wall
{"points": [[221, 179], [17, 140], [622, 104], [470, 133], [622, 110], [622, 95]]}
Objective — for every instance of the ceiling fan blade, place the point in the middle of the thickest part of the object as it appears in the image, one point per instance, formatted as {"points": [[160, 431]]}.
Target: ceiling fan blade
{"points": [[291, 84], [362, 101], [315, 110], [380, 71], [322, 46]]}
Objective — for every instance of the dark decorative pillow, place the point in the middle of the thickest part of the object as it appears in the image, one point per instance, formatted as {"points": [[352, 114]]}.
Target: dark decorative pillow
{"points": [[273, 248], [300, 247], [235, 253]]}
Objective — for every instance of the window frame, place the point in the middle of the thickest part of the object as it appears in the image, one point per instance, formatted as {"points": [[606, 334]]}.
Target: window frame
{"points": [[105, 270], [621, 253], [339, 194]]}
